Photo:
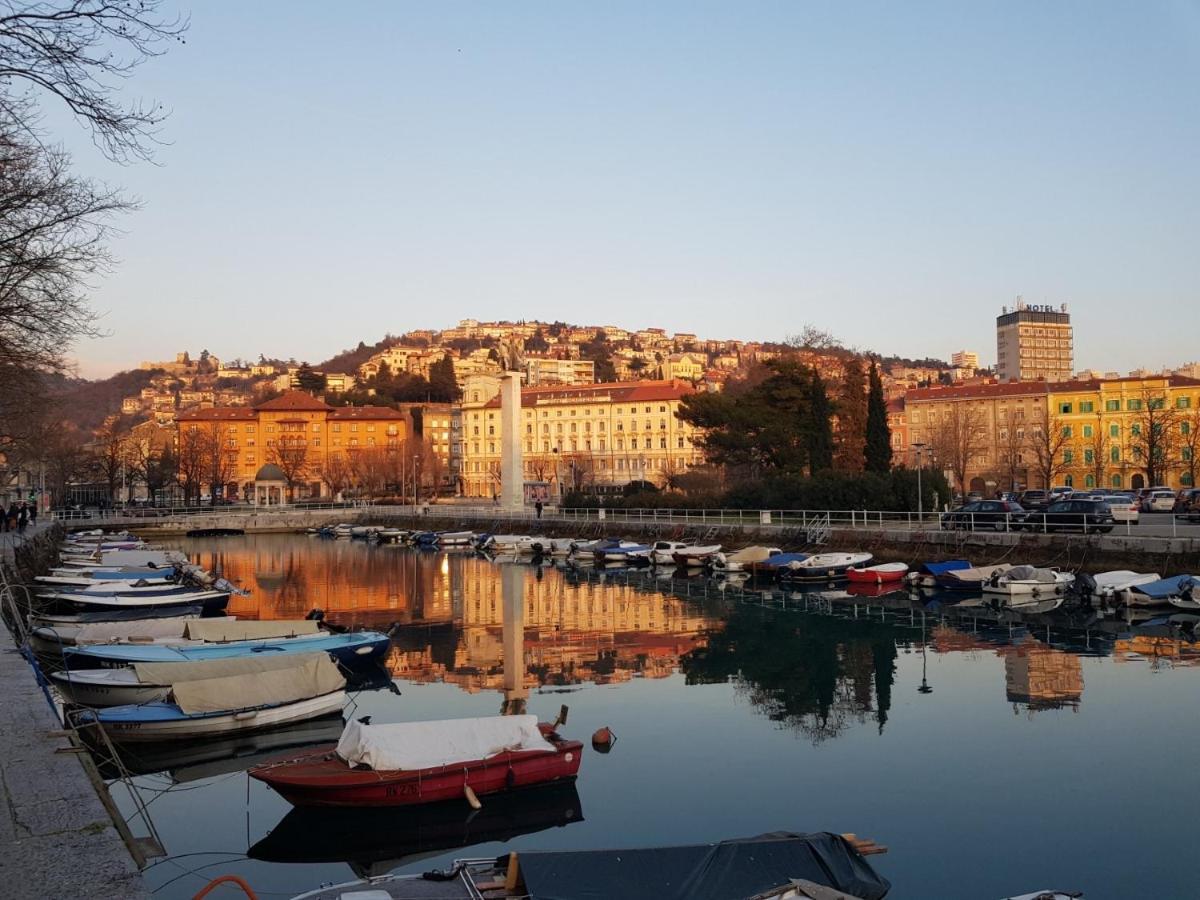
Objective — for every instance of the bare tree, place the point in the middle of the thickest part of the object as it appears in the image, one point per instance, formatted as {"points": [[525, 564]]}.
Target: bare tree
{"points": [[191, 462], [959, 439], [1049, 446], [80, 52], [1010, 448], [155, 466], [112, 454], [578, 470], [1097, 447], [291, 456], [1189, 444], [1154, 436], [336, 474], [221, 456]]}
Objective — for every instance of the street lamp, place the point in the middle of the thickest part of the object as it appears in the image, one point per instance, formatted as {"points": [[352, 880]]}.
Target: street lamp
{"points": [[920, 448], [925, 687], [416, 483]]}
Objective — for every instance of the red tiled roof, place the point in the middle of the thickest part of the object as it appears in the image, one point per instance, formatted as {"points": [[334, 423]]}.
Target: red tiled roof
{"points": [[217, 413], [1092, 384], [365, 412], [294, 401], [615, 392], [978, 391]]}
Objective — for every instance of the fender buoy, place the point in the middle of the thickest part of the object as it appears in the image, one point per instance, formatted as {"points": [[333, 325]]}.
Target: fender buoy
{"points": [[603, 739]]}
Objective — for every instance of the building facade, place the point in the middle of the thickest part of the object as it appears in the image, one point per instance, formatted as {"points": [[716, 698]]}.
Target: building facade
{"points": [[540, 371], [601, 435], [1034, 342]]}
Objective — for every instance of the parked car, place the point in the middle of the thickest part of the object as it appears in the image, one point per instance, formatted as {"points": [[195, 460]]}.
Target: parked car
{"points": [[1001, 515], [1187, 500], [1124, 508], [1072, 515], [1030, 500], [1159, 501], [974, 496]]}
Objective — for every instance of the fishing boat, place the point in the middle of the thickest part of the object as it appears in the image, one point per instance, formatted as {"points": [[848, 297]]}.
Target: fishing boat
{"points": [[625, 552], [118, 615], [663, 552], [115, 577], [970, 578], [211, 602], [513, 543], [1178, 591], [823, 566], [1028, 580], [593, 550], [925, 575], [776, 866], [771, 566], [696, 556], [561, 547], [216, 704], [51, 637], [120, 558], [884, 573], [740, 560], [352, 649], [424, 762]]}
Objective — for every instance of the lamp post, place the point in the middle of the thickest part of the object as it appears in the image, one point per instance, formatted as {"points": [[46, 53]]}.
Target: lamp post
{"points": [[557, 481], [920, 448], [416, 483], [925, 687]]}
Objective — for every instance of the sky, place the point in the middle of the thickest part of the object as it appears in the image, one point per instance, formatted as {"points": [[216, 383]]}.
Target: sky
{"points": [[892, 173]]}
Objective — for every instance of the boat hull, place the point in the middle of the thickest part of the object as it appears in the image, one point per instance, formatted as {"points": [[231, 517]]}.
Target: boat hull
{"points": [[324, 779], [223, 724]]}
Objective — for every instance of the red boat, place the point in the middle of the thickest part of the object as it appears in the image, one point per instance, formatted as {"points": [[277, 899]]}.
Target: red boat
{"points": [[883, 573], [325, 777]]}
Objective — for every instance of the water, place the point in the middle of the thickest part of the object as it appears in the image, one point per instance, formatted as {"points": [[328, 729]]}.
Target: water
{"points": [[991, 757]]}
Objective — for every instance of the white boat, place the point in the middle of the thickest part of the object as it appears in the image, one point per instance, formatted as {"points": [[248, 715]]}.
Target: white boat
{"points": [[1110, 583], [1028, 580], [1179, 591], [117, 558], [173, 725], [515, 543], [822, 566], [663, 552], [345, 529], [738, 560], [596, 549], [456, 538], [623, 552], [52, 637], [107, 687], [696, 556]]}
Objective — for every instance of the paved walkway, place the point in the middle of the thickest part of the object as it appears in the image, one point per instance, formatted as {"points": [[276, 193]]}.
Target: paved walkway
{"points": [[56, 838]]}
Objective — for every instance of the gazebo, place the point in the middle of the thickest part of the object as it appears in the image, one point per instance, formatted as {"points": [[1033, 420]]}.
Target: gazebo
{"points": [[270, 486]]}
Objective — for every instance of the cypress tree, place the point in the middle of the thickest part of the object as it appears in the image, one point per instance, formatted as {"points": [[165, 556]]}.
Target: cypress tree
{"points": [[820, 426], [878, 450], [851, 417]]}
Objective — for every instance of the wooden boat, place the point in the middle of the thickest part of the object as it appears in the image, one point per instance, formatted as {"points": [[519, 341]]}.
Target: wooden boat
{"points": [[223, 697], [742, 559], [696, 556], [455, 538], [425, 762], [592, 550], [624, 552], [561, 547], [1028, 580], [513, 543], [823, 566], [884, 573], [354, 648], [117, 558], [107, 687], [118, 615]]}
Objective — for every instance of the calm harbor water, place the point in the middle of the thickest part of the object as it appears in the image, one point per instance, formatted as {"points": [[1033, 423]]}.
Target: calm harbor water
{"points": [[990, 756]]}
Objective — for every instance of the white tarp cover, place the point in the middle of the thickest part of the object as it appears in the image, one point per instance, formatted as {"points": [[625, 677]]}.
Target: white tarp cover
{"points": [[174, 672], [423, 745], [980, 573], [130, 630], [750, 554], [310, 675], [248, 630], [1031, 573]]}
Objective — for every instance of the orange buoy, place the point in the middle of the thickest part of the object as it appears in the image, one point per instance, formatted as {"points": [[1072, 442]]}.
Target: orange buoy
{"points": [[603, 739]]}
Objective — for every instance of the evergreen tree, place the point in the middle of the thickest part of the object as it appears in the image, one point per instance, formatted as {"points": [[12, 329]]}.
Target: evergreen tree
{"points": [[442, 382], [878, 450], [852, 417], [313, 382], [820, 425]]}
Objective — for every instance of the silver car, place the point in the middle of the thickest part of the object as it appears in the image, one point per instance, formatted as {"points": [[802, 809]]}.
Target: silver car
{"points": [[1124, 507], [1159, 501]]}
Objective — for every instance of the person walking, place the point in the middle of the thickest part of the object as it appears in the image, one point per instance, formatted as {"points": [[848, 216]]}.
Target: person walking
{"points": [[22, 519], [538, 507], [11, 519], [33, 513]]}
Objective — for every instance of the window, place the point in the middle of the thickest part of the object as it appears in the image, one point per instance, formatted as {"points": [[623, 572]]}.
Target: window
{"points": [[1185, 427], [1064, 408], [1089, 481], [1156, 402], [1114, 431], [662, 443], [633, 443], [1133, 404], [1086, 406], [1066, 431], [1114, 455], [1186, 454], [1089, 457], [1087, 430], [1116, 481], [1135, 429], [1112, 405], [1068, 457], [1186, 478], [1069, 481]]}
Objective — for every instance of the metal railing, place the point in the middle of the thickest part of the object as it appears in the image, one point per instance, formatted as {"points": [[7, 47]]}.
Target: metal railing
{"points": [[150, 513]]}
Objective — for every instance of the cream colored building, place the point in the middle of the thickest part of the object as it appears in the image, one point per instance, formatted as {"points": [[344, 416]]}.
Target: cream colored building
{"points": [[595, 435], [1034, 342], [540, 372], [684, 366]]}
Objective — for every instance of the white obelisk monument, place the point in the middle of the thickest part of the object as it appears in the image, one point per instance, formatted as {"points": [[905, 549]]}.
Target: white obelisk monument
{"points": [[512, 468], [512, 591]]}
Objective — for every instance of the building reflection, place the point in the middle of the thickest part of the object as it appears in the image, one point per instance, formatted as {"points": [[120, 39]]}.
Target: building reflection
{"points": [[1039, 677], [1160, 651]]}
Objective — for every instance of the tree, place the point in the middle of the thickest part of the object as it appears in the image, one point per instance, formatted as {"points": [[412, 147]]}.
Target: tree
{"points": [[336, 474], [220, 458], [537, 343], [1097, 447], [111, 454], [850, 454], [820, 425], [156, 467], [958, 439], [1189, 444], [290, 454], [1154, 436], [443, 384], [637, 365], [1011, 444], [599, 351], [878, 448], [1052, 448], [191, 461], [308, 380]]}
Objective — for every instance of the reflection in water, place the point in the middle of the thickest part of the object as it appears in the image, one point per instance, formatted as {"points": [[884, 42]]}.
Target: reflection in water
{"points": [[1040, 677]]}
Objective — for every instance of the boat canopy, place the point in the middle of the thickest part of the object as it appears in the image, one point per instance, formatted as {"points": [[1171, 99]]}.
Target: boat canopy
{"points": [[1168, 587], [248, 630], [223, 685], [424, 745], [780, 560], [735, 868], [941, 568], [752, 554], [127, 630]]}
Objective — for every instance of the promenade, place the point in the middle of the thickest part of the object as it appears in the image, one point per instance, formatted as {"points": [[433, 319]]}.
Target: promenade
{"points": [[56, 838]]}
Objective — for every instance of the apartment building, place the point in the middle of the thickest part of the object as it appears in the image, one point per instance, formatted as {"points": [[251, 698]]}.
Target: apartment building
{"points": [[540, 372], [1034, 342]]}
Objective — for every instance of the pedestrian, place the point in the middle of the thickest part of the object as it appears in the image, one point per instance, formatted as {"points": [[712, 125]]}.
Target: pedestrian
{"points": [[33, 513], [12, 516], [538, 506], [22, 518]]}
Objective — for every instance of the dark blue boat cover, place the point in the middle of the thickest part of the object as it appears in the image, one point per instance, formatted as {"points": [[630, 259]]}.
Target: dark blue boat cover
{"points": [[782, 559], [730, 870], [940, 568], [1168, 587]]}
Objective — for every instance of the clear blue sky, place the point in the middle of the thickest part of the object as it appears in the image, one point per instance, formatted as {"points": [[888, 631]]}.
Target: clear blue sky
{"points": [[891, 172]]}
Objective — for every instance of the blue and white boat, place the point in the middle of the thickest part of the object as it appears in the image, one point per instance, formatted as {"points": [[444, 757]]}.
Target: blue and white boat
{"points": [[823, 566], [1180, 591], [926, 574], [623, 552], [354, 648]]}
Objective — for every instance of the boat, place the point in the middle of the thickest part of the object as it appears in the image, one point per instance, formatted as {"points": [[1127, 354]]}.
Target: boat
{"points": [[212, 704], [116, 578], [696, 556], [1028, 580], [149, 682], [970, 578], [662, 553], [119, 558], [51, 637], [455, 538], [354, 648], [823, 566], [624, 552], [771, 566], [561, 547], [1107, 584], [424, 762], [210, 602], [884, 573], [513, 543], [925, 575], [1178, 591], [739, 560], [344, 530], [776, 866]]}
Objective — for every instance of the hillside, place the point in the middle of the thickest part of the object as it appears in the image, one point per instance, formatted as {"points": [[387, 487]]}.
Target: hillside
{"points": [[89, 403]]}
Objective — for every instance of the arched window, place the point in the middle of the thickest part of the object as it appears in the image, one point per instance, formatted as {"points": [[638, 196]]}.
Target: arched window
{"points": [[1116, 481], [1069, 481], [1089, 481]]}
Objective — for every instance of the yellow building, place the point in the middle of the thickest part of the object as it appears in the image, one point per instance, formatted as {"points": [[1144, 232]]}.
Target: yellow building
{"points": [[1107, 423], [579, 436], [306, 438]]}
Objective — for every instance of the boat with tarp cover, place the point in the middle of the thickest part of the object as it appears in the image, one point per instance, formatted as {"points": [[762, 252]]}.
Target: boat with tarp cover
{"points": [[410, 763]]}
